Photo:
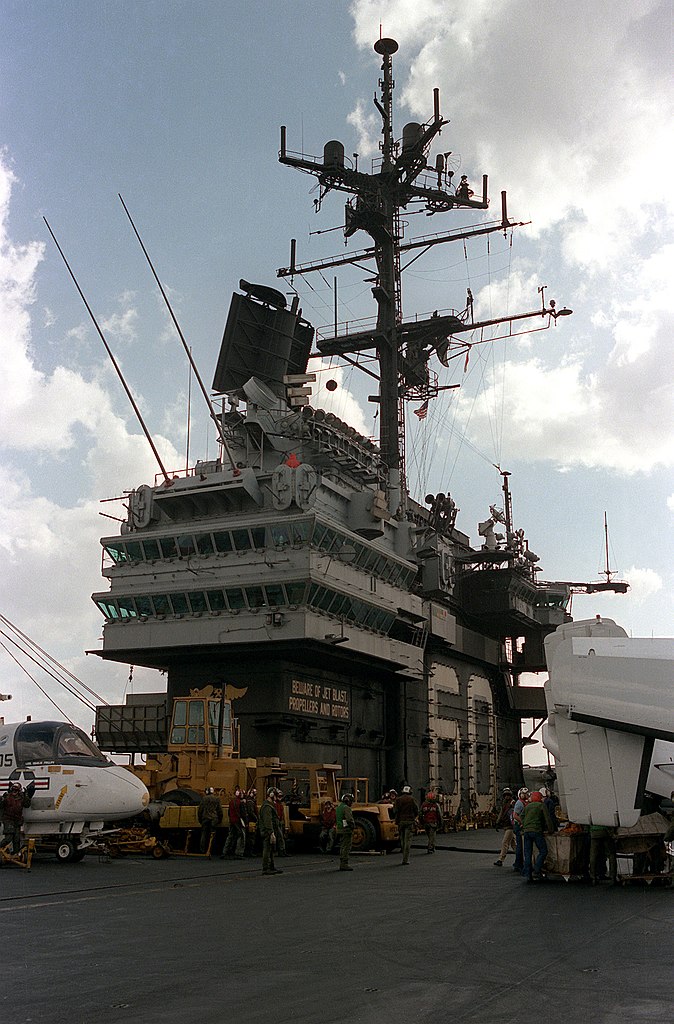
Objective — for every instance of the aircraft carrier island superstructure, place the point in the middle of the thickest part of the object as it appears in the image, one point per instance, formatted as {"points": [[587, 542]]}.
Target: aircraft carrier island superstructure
{"points": [[357, 624]]}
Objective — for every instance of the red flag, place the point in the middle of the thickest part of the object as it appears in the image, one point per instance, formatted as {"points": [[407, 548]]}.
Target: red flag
{"points": [[465, 365], [422, 411]]}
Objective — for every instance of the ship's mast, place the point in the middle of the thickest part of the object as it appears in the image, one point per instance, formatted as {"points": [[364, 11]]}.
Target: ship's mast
{"points": [[387, 291], [402, 178]]}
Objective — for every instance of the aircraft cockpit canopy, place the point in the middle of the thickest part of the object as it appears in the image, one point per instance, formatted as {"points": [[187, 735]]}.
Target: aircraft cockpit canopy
{"points": [[55, 742]]}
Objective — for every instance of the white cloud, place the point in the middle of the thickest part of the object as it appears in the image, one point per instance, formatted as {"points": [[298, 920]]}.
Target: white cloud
{"points": [[562, 414], [644, 583], [121, 326]]}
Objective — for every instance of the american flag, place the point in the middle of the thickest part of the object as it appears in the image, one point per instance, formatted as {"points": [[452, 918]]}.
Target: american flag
{"points": [[422, 411]]}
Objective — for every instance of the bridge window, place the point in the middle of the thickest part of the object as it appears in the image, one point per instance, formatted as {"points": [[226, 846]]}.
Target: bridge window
{"points": [[257, 534], [109, 609], [274, 594], [134, 551], [318, 534], [338, 604], [255, 597], [168, 547], [235, 599], [296, 592], [223, 543], [161, 604], [216, 600], [241, 540], [179, 602], [186, 545], [151, 549], [117, 552], [280, 535], [197, 601], [300, 532], [204, 543], [127, 608]]}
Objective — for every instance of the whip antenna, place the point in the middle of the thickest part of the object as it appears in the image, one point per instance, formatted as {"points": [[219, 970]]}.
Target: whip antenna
{"points": [[214, 416], [167, 479]]}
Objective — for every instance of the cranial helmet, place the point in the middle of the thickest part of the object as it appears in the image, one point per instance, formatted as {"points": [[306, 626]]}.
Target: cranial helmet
{"points": [[347, 798], [523, 792], [407, 789], [536, 797], [271, 792]]}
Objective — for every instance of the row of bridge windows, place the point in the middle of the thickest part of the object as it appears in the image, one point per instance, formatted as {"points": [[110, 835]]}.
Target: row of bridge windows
{"points": [[256, 538], [236, 599]]}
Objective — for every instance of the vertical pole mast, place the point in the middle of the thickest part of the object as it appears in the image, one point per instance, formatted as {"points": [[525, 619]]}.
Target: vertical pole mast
{"points": [[387, 292]]}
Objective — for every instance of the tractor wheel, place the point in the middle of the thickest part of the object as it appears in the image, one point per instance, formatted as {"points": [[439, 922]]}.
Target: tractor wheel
{"points": [[364, 834]]}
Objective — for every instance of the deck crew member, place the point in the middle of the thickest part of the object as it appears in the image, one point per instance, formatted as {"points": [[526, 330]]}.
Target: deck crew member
{"points": [[268, 824], [238, 826], [430, 817], [518, 811], [345, 823], [12, 805], [328, 835], [406, 813], [505, 821], [535, 822], [210, 816]]}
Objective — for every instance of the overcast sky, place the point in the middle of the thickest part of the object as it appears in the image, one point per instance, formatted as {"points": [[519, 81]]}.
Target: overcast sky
{"points": [[177, 105]]}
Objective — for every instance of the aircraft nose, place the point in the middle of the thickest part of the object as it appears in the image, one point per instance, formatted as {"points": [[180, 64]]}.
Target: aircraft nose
{"points": [[131, 791]]}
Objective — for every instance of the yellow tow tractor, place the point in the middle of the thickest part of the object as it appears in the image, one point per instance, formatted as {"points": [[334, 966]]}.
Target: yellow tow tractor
{"points": [[306, 787], [200, 749]]}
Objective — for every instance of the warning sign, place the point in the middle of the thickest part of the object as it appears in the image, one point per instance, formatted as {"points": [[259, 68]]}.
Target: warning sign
{"points": [[320, 700]]}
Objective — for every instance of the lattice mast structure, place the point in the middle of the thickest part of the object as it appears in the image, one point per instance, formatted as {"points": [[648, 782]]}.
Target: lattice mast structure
{"points": [[401, 178]]}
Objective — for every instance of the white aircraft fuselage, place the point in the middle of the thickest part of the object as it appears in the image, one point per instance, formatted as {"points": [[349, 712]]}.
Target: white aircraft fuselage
{"points": [[78, 790], [610, 720]]}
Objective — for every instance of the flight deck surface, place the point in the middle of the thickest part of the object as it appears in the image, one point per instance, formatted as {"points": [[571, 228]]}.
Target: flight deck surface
{"points": [[452, 938]]}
